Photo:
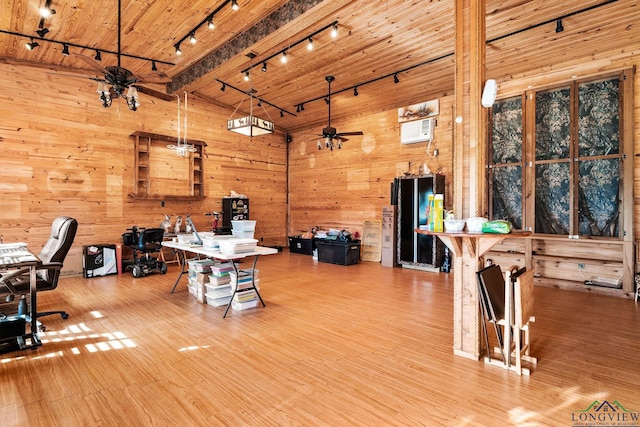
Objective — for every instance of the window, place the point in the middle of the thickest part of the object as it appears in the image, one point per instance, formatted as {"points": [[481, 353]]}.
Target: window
{"points": [[575, 152]]}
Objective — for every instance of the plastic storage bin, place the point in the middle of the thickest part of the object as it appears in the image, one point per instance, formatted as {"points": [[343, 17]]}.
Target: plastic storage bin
{"points": [[298, 245], [242, 234], [246, 225], [338, 252]]}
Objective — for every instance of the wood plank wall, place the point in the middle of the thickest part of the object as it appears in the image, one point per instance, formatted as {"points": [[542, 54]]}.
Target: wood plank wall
{"points": [[64, 154], [343, 188]]}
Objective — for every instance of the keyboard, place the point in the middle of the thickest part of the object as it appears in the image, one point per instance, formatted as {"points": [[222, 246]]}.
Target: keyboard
{"points": [[15, 253]]}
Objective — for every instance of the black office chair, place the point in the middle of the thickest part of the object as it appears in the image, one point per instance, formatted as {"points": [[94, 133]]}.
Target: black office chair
{"points": [[52, 255], [146, 242]]}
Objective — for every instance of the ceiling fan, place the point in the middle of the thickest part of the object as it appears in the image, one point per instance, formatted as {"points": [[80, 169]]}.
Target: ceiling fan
{"points": [[330, 134], [121, 83]]}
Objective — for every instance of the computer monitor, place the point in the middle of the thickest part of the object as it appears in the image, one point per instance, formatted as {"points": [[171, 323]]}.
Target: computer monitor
{"points": [[196, 237]]}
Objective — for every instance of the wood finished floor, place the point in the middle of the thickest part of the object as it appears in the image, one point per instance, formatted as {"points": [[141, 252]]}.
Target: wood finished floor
{"points": [[357, 345]]}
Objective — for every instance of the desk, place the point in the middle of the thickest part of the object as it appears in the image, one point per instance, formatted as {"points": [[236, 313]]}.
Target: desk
{"points": [[17, 256], [182, 248], [469, 249]]}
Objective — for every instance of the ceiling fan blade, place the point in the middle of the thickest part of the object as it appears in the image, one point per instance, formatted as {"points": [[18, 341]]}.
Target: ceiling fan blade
{"points": [[155, 93], [349, 133], [154, 78], [92, 63]]}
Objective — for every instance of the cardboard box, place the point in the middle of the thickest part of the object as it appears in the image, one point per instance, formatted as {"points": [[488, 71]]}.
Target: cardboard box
{"points": [[99, 260], [72, 264], [202, 278]]}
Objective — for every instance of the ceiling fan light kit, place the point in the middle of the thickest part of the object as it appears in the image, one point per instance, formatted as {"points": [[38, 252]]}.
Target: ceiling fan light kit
{"points": [[330, 137]]}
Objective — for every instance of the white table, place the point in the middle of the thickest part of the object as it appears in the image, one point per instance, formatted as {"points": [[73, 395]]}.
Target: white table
{"points": [[182, 248], [17, 256]]}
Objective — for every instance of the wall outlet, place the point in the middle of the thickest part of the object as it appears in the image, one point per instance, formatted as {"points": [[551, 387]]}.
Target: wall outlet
{"points": [[581, 265]]}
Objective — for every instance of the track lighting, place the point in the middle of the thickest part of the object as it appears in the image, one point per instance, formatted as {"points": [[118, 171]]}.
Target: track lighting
{"points": [[259, 102], [210, 23], [46, 11], [281, 113], [298, 108], [355, 91], [559, 26], [31, 45], [153, 66], [301, 107], [246, 76], [65, 49], [98, 56], [223, 87], [178, 51], [42, 31], [234, 5], [308, 39], [334, 31], [192, 38], [326, 100], [396, 79]]}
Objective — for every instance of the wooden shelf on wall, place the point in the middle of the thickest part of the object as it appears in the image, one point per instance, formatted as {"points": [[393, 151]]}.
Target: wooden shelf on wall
{"points": [[155, 168]]}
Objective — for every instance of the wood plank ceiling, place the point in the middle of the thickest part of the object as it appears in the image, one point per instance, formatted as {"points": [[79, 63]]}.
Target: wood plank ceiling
{"points": [[376, 39]]}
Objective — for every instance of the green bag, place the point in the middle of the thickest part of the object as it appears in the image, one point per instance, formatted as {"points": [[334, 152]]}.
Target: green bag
{"points": [[497, 227]]}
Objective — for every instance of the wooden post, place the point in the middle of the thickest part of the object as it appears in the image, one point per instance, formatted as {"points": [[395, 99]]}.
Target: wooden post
{"points": [[469, 152]]}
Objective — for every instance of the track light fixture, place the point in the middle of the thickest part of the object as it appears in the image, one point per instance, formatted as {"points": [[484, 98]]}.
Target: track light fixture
{"points": [[246, 76], [298, 108], [67, 45], [393, 74], [281, 113], [153, 66], [42, 31], [334, 30], [559, 26], [223, 87], [208, 21], [31, 45], [46, 11], [178, 50], [308, 39]]}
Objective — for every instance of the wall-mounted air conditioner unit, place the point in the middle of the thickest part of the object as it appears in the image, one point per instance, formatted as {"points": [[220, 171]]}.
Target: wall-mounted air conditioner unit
{"points": [[417, 131]]}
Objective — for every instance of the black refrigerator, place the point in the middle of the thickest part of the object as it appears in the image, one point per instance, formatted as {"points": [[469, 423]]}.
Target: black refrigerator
{"points": [[234, 209], [417, 250]]}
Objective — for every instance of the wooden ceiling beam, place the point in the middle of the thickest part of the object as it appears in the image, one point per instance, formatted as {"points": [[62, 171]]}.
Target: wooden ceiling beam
{"points": [[283, 15]]}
